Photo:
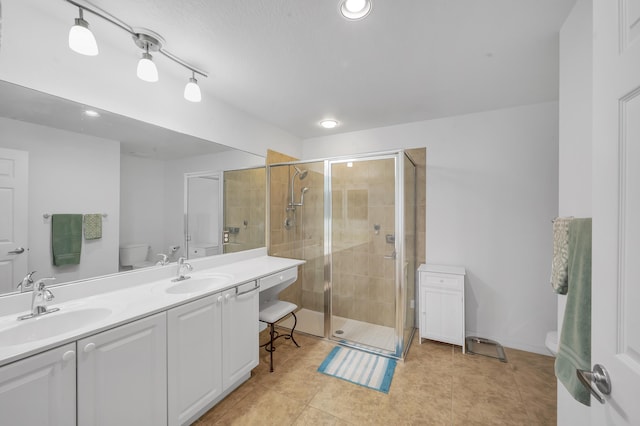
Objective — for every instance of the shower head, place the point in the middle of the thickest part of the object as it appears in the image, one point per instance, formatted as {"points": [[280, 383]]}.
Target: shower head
{"points": [[302, 173]]}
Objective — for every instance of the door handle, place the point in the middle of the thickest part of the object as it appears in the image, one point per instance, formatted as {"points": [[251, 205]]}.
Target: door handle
{"points": [[600, 377], [18, 250]]}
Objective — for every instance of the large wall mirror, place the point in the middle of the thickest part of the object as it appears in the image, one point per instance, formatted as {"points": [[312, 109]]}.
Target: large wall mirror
{"points": [[57, 159]]}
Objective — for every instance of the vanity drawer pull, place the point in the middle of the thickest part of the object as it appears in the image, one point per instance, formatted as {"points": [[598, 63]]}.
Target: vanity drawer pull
{"points": [[68, 355], [89, 347]]}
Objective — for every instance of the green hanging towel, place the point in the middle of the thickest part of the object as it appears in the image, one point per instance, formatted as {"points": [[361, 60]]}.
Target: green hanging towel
{"points": [[66, 238], [92, 226], [574, 349]]}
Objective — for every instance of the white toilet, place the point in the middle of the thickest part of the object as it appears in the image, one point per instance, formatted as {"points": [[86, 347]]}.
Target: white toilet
{"points": [[134, 256]]}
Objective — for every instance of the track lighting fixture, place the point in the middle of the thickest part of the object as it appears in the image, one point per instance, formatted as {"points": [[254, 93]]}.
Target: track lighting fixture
{"points": [[81, 40], [192, 90]]}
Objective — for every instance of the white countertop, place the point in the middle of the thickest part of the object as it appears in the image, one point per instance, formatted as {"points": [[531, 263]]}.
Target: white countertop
{"points": [[137, 300]]}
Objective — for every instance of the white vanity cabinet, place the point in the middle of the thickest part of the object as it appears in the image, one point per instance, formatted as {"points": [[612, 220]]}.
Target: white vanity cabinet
{"points": [[212, 345], [239, 332], [122, 375], [194, 354], [40, 390], [441, 298]]}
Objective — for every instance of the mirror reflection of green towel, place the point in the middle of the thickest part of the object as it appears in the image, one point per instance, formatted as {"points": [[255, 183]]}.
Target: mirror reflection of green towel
{"points": [[66, 238], [92, 226]]}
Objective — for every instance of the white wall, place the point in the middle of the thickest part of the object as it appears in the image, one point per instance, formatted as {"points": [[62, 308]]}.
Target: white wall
{"points": [[142, 195], [492, 191], [575, 150], [68, 173]]}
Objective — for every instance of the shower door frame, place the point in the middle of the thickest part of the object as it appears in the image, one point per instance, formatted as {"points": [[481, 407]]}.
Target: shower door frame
{"points": [[399, 157]]}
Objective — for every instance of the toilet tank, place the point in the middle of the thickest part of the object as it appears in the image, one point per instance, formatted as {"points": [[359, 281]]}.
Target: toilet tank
{"points": [[131, 254]]}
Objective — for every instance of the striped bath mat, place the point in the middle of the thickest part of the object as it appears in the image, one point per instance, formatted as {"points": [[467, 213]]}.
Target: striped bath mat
{"points": [[361, 368]]}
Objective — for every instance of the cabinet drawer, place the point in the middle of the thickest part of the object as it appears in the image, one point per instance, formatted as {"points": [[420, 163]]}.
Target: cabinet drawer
{"points": [[444, 281], [275, 279]]}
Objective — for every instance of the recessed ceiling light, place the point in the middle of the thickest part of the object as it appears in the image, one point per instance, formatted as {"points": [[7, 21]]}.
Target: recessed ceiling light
{"points": [[355, 9], [91, 113], [328, 124]]}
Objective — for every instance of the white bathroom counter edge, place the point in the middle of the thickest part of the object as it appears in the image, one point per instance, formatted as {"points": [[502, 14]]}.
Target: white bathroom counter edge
{"points": [[141, 299]]}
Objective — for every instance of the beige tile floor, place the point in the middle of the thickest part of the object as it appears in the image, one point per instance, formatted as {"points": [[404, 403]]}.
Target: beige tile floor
{"points": [[436, 385]]}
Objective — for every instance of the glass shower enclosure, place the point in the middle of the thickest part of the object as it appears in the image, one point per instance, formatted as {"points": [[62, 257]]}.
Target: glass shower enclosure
{"points": [[353, 221]]}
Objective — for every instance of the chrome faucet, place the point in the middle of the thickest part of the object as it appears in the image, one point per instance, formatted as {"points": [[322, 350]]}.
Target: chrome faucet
{"points": [[182, 266], [39, 298], [164, 260], [27, 282]]}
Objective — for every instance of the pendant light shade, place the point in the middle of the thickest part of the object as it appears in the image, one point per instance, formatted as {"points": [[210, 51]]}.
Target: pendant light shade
{"points": [[81, 39], [192, 91], [147, 70]]}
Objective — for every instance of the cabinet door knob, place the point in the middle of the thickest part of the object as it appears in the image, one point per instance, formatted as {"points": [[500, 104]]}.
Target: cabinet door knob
{"points": [[89, 347], [68, 355], [219, 299], [227, 296]]}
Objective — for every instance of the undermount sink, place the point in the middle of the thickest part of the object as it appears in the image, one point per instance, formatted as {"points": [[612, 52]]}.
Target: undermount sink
{"points": [[49, 325], [199, 283]]}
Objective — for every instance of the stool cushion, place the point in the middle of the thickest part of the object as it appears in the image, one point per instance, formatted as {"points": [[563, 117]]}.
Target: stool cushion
{"points": [[274, 310]]}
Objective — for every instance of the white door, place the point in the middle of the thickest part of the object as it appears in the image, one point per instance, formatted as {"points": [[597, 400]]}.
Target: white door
{"points": [[14, 173], [122, 375], [203, 213], [616, 208], [40, 390]]}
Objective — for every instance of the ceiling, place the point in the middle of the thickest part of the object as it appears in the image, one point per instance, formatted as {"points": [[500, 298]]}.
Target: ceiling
{"points": [[137, 138], [294, 62]]}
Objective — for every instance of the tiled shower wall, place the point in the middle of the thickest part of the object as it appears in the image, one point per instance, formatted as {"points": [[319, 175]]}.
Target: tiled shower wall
{"points": [[244, 208], [363, 198]]}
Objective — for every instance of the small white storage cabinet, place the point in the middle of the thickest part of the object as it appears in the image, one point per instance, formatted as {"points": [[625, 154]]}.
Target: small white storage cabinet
{"points": [[441, 292]]}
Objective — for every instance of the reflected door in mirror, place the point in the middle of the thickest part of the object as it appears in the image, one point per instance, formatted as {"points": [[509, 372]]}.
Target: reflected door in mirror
{"points": [[203, 207], [13, 217]]}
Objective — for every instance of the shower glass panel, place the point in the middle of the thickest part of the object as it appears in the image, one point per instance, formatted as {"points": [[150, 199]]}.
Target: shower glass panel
{"points": [[363, 266], [353, 221], [409, 261], [296, 218]]}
